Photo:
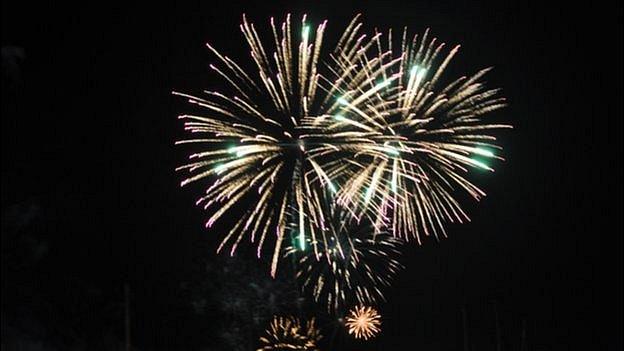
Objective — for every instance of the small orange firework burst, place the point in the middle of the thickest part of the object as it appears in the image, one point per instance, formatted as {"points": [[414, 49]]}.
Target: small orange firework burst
{"points": [[363, 322]]}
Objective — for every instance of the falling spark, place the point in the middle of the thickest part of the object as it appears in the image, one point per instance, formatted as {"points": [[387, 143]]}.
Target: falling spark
{"points": [[352, 264]]}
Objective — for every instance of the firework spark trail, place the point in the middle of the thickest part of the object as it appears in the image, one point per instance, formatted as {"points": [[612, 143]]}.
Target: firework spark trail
{"points": [[262, 140], [363, 322], [352, 265], [288, 333], [407, 142]]}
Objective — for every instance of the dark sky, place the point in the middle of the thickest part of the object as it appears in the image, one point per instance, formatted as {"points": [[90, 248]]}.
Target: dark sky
{"points": [[88, 125]]}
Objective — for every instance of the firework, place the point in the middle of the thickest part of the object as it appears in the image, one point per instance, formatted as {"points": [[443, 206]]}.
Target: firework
{"points": [[288, 333], [363, 322], [352, 264], [261, 142], [412, 141]]}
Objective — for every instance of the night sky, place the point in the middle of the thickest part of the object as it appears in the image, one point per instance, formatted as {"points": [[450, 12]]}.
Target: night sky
{"points": [[91, 201]]}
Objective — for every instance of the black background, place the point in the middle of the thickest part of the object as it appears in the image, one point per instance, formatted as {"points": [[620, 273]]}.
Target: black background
{"points": [[88, 125]]}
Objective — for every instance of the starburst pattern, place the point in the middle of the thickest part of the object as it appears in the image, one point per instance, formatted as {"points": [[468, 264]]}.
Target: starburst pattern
{"points": [[379, 128], [259, 143], [413, 139], [363, 322]]}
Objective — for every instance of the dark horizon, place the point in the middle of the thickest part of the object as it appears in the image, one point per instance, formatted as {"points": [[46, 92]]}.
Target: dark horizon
{"points": [[91, 201]]}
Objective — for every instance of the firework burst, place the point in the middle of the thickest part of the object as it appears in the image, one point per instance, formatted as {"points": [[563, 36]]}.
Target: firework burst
{"points": [[260, 142], [412, 140], [376, 129], [288, 333], [352, 264], [363, 322]]}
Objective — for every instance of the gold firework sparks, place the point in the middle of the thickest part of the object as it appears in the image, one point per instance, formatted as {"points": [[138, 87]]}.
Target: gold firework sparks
{"points": [[352, 265], [412, 141], [288, 333], [259, 141], [377, 130], [363, 322]]}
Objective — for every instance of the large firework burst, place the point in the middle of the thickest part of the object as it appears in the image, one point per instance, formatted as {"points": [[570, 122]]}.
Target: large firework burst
{"points": [[288, 333], [259, 141], [351, 265], [412, 140], [376, 129], [363, 322]]}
